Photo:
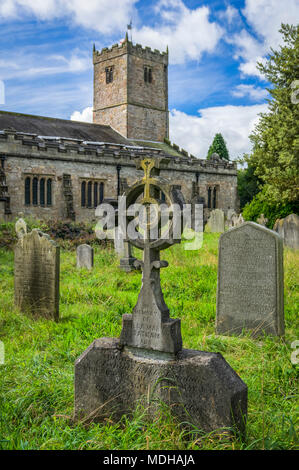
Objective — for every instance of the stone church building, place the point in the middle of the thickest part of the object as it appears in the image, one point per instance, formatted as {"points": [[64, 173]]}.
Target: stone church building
{"points": [[61, 169]]}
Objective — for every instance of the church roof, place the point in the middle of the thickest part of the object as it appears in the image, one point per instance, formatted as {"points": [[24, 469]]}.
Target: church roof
{"points": [[52, 127]]}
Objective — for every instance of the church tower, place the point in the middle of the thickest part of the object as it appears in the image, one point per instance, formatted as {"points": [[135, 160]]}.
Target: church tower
{"points": [[131, 90]]}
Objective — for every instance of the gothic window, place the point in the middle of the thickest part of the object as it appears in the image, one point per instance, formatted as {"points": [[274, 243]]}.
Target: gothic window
{"points": [[148, 75], [42, 192], [92, 193], [28, 191], [89, 194], [49, 192], [214, 198], [95, 194], [35, 191], [83, 194], [109, 74], [209, 197], [101, 192]]}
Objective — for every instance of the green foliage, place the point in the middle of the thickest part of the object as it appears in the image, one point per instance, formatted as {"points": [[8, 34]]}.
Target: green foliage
{"points": [[261, 204], [275, 138], [248, 185], [37, 379], [218, 146]]}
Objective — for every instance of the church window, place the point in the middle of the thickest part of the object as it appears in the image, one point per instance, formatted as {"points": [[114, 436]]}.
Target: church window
{"points": [[209, 197], [83, 194], [109, 74], [27, 191], [35, 191], [42, 192], [148, 75], [214, 198], [92, 193], [49, 192]]}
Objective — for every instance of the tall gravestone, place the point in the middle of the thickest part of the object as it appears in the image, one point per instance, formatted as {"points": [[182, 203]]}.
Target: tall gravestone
{"points": [[250, 281], [113, 375], [215, 223], [288, 229], [36, 275], [85, 256]]}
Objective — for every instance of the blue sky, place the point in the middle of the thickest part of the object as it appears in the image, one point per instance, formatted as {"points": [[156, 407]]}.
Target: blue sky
{"points": [[214, 86]]}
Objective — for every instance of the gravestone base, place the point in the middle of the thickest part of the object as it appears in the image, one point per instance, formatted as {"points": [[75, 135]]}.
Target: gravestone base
{"points": [[200, 387], [127, 264]]}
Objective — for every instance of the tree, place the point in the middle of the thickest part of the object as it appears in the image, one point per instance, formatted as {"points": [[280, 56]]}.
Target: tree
{"points": [[248, 185], [276, 136], [218, 146]]}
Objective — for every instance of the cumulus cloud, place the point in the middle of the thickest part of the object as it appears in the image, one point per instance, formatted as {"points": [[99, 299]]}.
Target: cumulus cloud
{"points": [[84, 116], [104, 16], [196, 133], [265, 18], [188, 33], [250, 91]]}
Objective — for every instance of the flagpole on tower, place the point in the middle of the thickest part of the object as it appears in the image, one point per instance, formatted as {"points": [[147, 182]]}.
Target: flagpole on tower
{"points": [[129, 28]]}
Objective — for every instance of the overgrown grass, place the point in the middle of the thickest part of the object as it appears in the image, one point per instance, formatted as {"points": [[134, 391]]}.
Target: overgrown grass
{"points": [[36, 386]]}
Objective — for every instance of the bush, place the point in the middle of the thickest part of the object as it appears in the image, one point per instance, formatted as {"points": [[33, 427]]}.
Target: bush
{"points": [[272, 211]]}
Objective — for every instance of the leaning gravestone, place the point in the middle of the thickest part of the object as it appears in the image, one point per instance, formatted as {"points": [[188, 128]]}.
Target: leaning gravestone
{"points": [[250, 281], [288, 229], [36, 270], [215, 222], [113, 375], [85, 256]]}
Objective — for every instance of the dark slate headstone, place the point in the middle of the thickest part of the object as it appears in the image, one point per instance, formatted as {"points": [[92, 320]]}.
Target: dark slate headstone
{"points": [[250, 281], [36, 271]]}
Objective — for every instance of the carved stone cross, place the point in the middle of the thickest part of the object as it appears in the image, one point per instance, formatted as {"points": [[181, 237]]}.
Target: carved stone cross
{"points": [[150, 327]]}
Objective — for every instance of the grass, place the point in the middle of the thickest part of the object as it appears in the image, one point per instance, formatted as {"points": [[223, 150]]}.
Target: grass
{"points": [[36, 381]]}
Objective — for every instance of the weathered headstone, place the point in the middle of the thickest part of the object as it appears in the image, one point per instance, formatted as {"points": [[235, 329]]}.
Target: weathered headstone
{"points": [[288, 229], [113, 375], [250, 281], [215, 222], [262, 220], [20, 228], [85, 256], [124, 251], [36, 269], [230, 218]]}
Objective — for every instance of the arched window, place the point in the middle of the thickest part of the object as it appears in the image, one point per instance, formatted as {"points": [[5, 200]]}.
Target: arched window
{"points": [[49, 192], [42, 191], [95, 194], [27, 191], [83, 194], [89, 194], [35, 191], [209, 197], [145, 74], [101, 192]]}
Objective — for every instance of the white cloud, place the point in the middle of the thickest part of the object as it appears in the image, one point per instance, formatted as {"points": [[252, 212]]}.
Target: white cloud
{"points": [[252, 92], [265, 18], [84, 116], [188, 33], [105, 16], [196, 133]]}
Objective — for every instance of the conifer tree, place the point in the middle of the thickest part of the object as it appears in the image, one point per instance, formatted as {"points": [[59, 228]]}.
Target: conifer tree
{"points": [[218, 146]]}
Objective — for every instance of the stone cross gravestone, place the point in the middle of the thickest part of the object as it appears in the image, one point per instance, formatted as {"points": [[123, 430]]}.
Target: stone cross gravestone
{"points": [[85, 256], [20, 228], [250, 281], [215, 222], [288, 229], [36, 275], [113, 375]]}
